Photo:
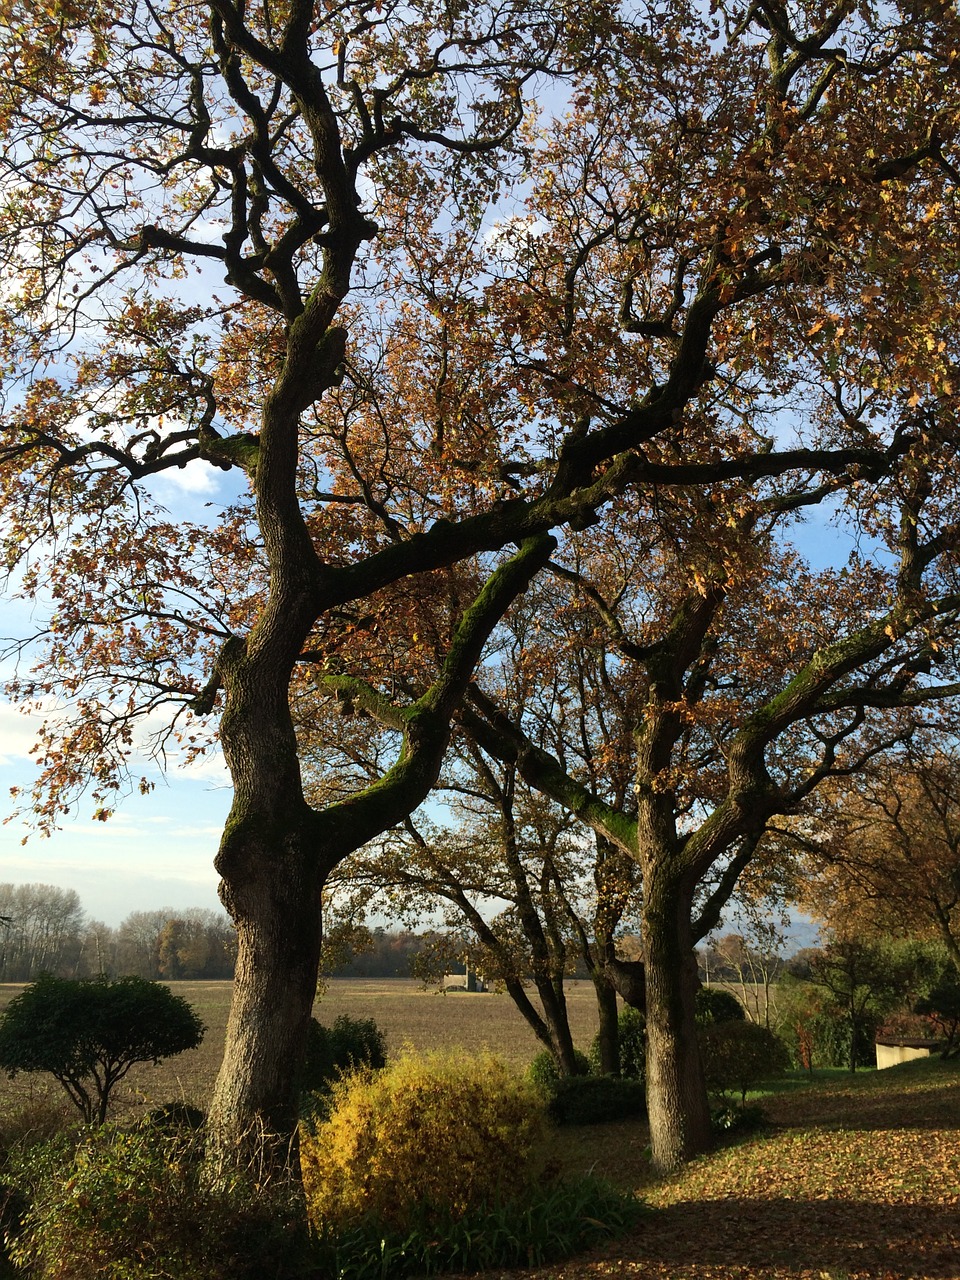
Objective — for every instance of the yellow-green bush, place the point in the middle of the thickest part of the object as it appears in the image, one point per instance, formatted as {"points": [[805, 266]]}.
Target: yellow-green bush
{"points": [[426, 1134]]}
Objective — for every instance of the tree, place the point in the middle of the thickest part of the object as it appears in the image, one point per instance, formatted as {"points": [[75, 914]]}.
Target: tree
{"points": [[450, 325], [88, 1033], [44, 932], [138, 942], [743, 699], [883, 853], [528, 887], [941, 1005], [864, 979], [754, 963]]}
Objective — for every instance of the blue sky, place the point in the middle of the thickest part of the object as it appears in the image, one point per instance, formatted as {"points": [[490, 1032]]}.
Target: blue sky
{"points": [[158, 849]]}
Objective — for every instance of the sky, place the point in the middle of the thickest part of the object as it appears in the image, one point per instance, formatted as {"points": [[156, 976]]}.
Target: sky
{"points": [[158, 850]]}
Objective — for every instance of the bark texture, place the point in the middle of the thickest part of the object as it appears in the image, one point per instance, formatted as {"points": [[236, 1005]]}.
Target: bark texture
{"points": [[677, 1106]]}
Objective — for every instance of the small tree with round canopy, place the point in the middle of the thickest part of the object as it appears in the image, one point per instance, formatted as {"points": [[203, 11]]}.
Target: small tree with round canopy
{"points": [[88, 1034]]}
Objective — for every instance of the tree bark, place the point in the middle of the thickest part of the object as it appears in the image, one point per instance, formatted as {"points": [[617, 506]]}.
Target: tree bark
{"points": [[271, 877], [677, 1106], [555, 1013], [275, 903], [608, 1035]]}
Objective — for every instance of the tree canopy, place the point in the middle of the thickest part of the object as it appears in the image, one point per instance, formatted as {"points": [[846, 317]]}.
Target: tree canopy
{"points": [[87, 1033]]}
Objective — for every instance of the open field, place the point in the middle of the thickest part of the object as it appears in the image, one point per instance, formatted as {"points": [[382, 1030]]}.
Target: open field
{"points": [[404, 1012]]}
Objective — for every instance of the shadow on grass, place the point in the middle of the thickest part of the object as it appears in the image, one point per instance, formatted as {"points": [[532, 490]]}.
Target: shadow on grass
{"points": [[784, 1237]]}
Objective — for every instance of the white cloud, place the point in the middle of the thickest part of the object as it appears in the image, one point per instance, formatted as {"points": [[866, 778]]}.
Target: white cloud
{"points": [[197, 477], [18, 733]]}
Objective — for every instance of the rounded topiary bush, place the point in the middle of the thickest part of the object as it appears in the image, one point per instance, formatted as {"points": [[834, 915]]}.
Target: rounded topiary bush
{"points": [[737, 1056], [437, 1134], [544, 1072], [715, 1005]]}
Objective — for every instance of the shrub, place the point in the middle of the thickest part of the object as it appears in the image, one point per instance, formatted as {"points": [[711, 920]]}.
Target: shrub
{"points": [[715, 1005], [632, 1028], [632, 1041], [133, 1205], [596, 1099], [175, 1117], [739, 1055], [556, 1221], [35, 1118], [544, 1071], [331, 1051], [88, 1033], [816, 1031], [439, 1135], [726, 1121]]}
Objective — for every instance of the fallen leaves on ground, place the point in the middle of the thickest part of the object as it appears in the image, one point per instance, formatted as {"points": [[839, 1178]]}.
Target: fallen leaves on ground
{"points": [[856, 1181]]}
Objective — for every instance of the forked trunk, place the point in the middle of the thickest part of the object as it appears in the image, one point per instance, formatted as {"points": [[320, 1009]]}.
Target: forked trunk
{"points": [[555, 1014], [677, 1105]]}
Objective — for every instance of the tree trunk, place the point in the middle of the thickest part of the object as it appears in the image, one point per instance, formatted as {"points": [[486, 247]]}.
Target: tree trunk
{"points": [[555, 1013], [629, 980], [677, 1106], [608, 1035], [271, 876], [275, 904]]}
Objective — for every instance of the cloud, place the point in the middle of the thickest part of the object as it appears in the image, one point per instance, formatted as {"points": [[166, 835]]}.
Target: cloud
{"points": [[197, 477], [18, 733]]}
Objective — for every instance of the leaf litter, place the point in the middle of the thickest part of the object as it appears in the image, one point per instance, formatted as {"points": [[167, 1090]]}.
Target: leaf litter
{"points": [[852, 1181]]}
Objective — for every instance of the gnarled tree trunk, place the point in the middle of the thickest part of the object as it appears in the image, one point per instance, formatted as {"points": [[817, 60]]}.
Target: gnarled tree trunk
{"points": [[677, 1106], [271, 877], [274, 899]]}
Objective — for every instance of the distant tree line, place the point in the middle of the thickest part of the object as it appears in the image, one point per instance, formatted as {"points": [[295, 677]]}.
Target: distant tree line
{"points": [[378, 953], [46, 930]]}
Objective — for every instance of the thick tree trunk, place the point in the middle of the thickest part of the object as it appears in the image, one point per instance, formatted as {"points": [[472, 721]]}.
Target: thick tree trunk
{"points": [[275, 904], [271, 876], [677, 1105]]}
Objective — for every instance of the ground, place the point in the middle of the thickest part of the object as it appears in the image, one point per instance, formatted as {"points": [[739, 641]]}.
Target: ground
{"points": [[849, 1179]]}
